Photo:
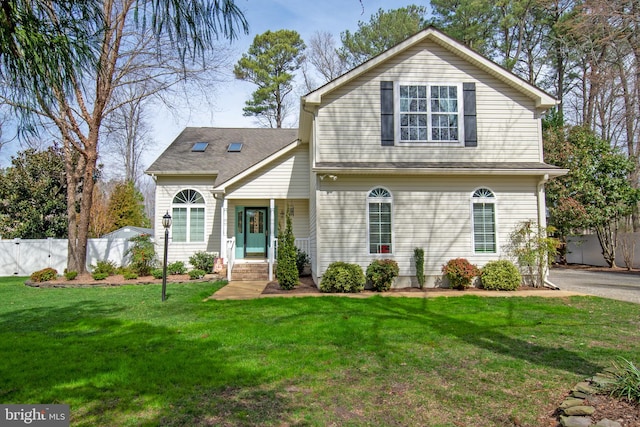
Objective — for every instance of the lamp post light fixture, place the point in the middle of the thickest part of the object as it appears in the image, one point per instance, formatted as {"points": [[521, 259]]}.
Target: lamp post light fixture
{"points": [[166, 223]]}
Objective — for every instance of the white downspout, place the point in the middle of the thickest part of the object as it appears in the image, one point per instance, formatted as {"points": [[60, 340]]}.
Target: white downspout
{"points": [[542, 223]]}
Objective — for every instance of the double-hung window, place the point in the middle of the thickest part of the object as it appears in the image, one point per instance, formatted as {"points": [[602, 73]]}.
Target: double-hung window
{"points": [[188, 217], [430, 113], [483, 203], [379, 202]]}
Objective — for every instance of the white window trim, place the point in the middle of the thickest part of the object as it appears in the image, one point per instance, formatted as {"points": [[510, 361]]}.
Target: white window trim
{"points": [[188, 206], [494, 201], [368, 230], [428, 143]]}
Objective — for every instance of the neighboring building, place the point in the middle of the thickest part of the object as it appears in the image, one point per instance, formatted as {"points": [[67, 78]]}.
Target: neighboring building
{"points": [[427, 145], [127, 232]]}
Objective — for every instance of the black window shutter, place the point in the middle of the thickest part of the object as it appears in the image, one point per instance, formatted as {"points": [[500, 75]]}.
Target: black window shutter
{"points": [[387, 130], [470, 125]]}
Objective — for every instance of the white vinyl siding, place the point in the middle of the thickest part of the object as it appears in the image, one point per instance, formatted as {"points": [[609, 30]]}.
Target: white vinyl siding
{"points": [[287, 177], [348, 121], [433, 213]]}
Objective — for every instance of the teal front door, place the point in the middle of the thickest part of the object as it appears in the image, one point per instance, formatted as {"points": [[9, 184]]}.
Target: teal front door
{"points": [[255, 232]]}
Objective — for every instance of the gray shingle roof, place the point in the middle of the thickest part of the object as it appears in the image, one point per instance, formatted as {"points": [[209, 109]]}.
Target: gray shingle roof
{"points": [[258, 144]]}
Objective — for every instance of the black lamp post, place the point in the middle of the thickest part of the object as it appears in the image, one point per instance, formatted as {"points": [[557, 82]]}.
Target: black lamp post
{"points": [[166, 223]]}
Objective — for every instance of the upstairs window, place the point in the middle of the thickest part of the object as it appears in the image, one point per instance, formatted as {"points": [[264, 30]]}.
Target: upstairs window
{"points": [[188, 217], [483, 203], [429, 113], [379, 203]]}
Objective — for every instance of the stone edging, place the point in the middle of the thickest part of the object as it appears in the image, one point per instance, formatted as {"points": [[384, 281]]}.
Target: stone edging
{"points": [[575, 412]]}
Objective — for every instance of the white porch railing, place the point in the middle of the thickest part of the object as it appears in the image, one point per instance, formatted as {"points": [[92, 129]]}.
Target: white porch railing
{"points": [[231, 256], [302, 244]]}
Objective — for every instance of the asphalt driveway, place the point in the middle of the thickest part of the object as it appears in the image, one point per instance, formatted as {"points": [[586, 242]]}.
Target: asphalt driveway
{"points": [[618, 285]]}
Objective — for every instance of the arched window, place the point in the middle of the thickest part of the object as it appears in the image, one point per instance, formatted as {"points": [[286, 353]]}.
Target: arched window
{"points": [[379, 202], [188, 217], [484, 221]]}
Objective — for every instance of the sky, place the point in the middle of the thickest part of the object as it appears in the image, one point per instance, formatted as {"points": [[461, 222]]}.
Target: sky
{"points": [[304, 16]]}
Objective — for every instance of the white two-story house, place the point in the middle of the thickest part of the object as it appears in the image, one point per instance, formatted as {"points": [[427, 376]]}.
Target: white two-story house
{"points": [[428, 145]]}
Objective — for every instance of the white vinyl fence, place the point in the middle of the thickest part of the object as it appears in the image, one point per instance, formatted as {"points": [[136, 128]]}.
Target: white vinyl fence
{"points": [[21, 257], [586, 249]]}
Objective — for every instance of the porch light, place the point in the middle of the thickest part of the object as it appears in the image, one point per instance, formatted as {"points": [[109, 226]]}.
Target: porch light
{"points": [[166, 223]]}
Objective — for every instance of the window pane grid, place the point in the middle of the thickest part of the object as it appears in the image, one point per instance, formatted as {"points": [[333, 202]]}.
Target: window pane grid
{"points": [[484, 230], [379, 227], [432, 119], [196, 226], [179, 225]]}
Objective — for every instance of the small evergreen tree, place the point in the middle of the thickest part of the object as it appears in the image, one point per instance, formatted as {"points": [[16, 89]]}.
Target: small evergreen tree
{"points": [[287, 271]]}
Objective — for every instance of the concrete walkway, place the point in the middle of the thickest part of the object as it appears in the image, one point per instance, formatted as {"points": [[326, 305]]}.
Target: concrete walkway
{"points": [[252, 290]]}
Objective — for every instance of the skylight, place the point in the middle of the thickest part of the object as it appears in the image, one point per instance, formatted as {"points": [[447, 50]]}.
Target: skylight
{"points": [[234, 147], [199, 147]]}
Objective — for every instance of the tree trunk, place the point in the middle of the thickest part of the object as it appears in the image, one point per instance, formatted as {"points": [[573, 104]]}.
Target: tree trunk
{"points": [[608, 236]]}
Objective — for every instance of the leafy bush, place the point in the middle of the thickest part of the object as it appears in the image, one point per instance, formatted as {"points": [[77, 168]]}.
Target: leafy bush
{"points": [[156, 273], [626, 381], [501, 275], [129, 275], [418, 254], [176, 268], [302, 259], [460, 272], [104, 266], [380, 274], [196, 274], [143, 255], [70, 274], [99, 275], [287, 272], [342, 277], [203, 261], [44, 275]]}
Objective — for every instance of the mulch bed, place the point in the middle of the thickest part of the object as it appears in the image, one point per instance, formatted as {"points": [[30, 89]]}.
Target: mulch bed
{"points": [[306, 286]]}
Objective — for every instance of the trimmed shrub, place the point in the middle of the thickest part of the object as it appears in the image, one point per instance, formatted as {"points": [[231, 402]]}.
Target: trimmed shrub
{"points": [[287, 272], [70, 274], [500, 275], [130, 275], [143, 255], [342, 277], [418, 254], [44, 275], [460, 272], [156, 273], [203, 261], [104, 266], [99, 275], [196, 274], [380, 274], [302, 260], [176, 268]]}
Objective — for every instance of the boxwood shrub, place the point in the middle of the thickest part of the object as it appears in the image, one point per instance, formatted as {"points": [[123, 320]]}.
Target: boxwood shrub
{"points": [[380, 274], [342, 277], [500, 275]]}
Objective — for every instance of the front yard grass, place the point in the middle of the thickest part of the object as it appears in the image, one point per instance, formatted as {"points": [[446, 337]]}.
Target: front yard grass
{"points": [[119, 356]]}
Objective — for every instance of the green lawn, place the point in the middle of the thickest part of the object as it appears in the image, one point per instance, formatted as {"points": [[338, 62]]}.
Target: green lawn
{"points": [[119, 356]]}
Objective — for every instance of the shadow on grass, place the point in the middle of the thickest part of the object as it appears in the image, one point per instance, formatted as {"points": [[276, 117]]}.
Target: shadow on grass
{"points": [[489, 337], [112, 371]]}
